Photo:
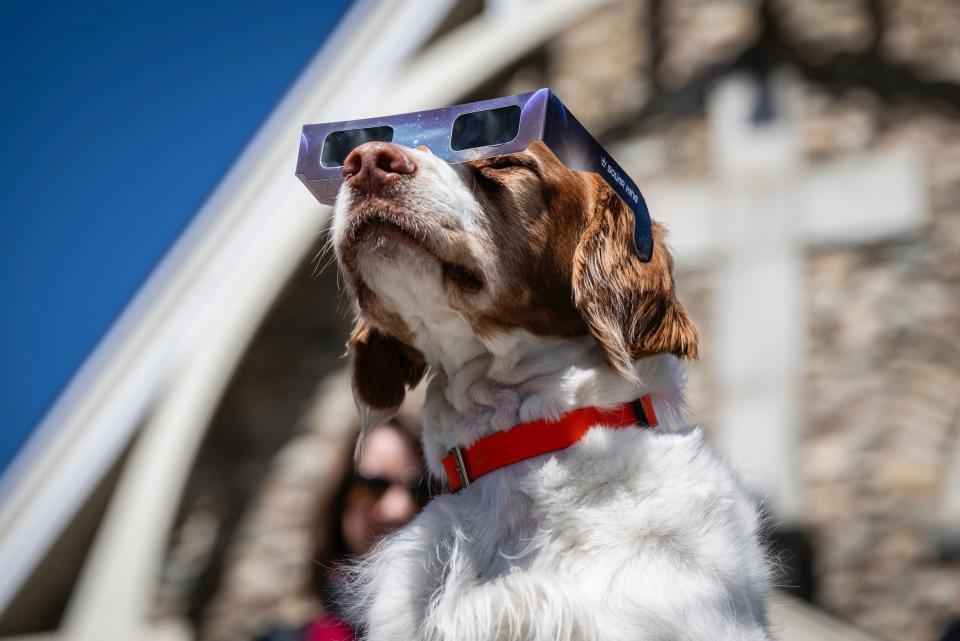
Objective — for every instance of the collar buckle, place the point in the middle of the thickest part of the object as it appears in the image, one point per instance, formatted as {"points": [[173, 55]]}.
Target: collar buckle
{"points": [[461, 466]]}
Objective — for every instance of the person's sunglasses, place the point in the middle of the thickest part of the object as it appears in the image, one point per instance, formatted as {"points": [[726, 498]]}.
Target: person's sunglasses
{"points": [[475, 130], [421, 489]]}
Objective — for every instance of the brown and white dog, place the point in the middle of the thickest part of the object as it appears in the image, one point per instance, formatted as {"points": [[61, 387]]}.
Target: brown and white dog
{"points": [[513, 282]]}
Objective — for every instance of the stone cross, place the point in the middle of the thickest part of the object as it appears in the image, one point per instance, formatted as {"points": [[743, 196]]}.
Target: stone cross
{"points": [[750, 225], [949, 515]]}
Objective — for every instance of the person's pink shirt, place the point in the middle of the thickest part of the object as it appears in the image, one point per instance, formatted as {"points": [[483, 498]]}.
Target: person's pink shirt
{"points": [[329, 628]]}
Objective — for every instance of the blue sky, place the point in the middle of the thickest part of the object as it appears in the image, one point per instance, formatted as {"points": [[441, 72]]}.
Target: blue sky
{"points": [[117, 120]]}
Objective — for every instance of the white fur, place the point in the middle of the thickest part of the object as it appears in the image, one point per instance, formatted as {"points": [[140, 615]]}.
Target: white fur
{"points": [[629, 534]]}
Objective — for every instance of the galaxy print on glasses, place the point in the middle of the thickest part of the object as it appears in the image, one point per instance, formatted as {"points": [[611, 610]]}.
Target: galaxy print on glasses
{"points": [[461, 133]]}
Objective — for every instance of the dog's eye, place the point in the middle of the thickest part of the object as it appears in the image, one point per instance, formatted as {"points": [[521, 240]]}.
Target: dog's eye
{"points": [[502, 166], [506, 163], [491, 176]]}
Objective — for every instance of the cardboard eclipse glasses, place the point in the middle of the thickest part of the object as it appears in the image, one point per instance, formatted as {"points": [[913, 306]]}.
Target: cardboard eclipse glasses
{"points": [[461, 133]]}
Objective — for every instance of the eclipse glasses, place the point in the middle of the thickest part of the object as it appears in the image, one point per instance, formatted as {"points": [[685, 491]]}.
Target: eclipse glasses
{"points": [[475, 130]]}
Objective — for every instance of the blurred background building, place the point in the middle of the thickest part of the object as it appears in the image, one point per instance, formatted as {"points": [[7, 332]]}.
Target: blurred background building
{"points": [[804, 154]]}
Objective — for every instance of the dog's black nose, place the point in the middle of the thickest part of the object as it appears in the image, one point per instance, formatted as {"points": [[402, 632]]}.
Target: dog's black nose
{"points": [[375, 165]]}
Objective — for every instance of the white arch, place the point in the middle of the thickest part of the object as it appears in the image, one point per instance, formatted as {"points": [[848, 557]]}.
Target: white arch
{"points": [[256, 225]]}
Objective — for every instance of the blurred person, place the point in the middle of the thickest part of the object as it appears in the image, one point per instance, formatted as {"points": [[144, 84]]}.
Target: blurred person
{"points": [[384, 490]]}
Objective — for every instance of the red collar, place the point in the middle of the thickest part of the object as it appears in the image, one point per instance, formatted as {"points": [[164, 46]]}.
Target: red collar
{"points": [[465, 465]]}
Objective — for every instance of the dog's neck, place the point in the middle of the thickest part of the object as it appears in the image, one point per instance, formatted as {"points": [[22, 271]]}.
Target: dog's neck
{"points": [[485, 384], [480, 386]]}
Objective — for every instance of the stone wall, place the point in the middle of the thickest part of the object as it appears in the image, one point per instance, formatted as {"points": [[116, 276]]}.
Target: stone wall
{"points": [[882, 386], [884, 403]]}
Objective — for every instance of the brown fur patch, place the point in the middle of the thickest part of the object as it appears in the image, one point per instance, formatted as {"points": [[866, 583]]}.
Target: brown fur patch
{"points": [[383, 367], [566, 241], [630, 306]]}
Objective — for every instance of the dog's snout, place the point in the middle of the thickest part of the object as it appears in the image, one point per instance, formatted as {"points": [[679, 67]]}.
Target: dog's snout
{"points": [[374, 165]]}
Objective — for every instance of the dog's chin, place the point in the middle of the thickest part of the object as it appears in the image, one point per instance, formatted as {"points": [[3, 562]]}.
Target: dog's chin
{"points": [[387, 244]]}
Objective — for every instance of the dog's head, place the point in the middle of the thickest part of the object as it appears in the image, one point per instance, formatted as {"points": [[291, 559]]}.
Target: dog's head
{"points": [[513, 242]]}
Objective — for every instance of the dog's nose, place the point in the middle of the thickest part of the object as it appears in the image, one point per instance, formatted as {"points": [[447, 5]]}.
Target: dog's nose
{"points": [[375, 165]]}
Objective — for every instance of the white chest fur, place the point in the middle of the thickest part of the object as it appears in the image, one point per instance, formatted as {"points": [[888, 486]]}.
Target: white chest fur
{"points": [[629, 534]]}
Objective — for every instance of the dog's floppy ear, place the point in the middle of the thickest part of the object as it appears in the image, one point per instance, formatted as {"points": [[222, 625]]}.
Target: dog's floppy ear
{"points": [[629, 306], [383, 369]]}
